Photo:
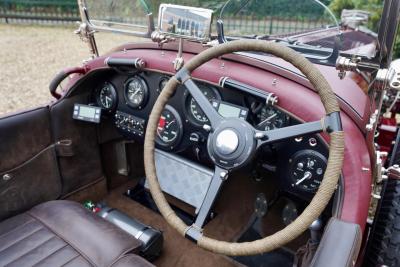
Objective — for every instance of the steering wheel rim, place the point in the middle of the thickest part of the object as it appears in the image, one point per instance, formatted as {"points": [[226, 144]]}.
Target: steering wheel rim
{"points": [[331, 124]]}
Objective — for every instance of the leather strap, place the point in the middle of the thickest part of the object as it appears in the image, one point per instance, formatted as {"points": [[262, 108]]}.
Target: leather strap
{"points": [[64, 148]]}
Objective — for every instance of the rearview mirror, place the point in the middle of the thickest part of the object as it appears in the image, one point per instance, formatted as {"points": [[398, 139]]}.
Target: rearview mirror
{"points": [[185, 22]]}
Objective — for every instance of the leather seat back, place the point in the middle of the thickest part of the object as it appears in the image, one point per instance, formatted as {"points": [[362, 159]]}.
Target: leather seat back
{"points": [[339, 246]]}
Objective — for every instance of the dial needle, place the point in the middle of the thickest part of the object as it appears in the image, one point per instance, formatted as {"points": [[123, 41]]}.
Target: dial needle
{"points": [[169, 124], [134, 93], [306, 176], [267, 119], [108, 99]]}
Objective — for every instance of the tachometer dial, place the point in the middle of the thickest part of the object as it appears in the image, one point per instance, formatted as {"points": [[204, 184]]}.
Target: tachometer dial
{"points": [[269, 118], [307, 169], [136, 92], [107, 96], [194, 111], [169, 130]]}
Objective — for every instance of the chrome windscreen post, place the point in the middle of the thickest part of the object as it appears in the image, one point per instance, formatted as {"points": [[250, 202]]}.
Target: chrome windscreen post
{"points": [[85, 32]]}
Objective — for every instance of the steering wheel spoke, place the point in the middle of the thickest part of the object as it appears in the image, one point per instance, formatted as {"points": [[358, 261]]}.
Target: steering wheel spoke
{"points": [[219, 177], [205, 105], [330, 123], [276, 135]]}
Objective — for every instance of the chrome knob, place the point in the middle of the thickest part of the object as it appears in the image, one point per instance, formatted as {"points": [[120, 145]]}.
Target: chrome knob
{"points": [[227, 142]]}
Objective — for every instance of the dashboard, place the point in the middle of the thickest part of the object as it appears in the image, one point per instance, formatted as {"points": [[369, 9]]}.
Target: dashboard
{"points": [[127, 99]]}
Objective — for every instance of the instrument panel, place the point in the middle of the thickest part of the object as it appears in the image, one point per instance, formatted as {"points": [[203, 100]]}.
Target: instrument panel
{"points": [[128, 99]]}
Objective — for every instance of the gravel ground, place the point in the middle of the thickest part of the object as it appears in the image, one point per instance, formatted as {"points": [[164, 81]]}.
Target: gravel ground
{"points": [[30, 56]]}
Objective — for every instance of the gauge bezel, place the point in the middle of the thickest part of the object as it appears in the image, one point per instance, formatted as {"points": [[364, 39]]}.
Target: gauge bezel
{"points": [[146, 92], [293, 163], [186, 104], [178, 139], [114, 95]]}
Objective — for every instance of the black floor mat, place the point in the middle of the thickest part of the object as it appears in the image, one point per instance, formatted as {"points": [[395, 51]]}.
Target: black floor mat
{"points": [[279, 257]]}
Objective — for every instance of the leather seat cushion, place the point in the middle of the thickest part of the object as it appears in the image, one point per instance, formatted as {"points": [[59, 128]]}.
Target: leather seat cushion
{"points": [[63, 233], [130, 260]]}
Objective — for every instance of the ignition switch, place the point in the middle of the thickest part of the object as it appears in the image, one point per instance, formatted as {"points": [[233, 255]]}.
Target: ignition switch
{"points": [[197, 138]]}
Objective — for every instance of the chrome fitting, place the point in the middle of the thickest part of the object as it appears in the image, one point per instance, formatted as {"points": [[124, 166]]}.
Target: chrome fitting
{"points": [[344, 64], [160, 38], [388, 78]]}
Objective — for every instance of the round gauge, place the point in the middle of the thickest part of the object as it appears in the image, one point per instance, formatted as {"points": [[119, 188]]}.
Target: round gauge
{"points": [[169, 130], [269, 118], [307, 169], [193, 109], [136, 92], [107, 96], [163, 81]]}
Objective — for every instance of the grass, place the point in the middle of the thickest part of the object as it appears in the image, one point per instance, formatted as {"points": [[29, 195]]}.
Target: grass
{"points": [[30, 56]]}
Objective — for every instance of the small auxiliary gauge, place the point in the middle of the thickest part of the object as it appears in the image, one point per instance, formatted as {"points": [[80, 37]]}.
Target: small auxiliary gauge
{"points": [[170, 128], [136, 92], [106, 96], [161, 84], [307, 168]]}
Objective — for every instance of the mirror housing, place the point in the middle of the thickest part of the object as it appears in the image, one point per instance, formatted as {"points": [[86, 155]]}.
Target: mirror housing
{"points": [[185, 22]]}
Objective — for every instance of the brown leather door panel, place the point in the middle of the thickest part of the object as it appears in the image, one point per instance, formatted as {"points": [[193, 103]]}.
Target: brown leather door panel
{"points": [[22, 136], [28, 163], [84, 167]]}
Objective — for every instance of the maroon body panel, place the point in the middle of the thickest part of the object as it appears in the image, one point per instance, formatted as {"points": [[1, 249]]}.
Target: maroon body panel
{"points": [[295, 98]]}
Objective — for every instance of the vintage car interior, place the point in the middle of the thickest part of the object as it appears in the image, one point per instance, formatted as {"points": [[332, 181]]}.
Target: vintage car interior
{"points": [[247, 154]]}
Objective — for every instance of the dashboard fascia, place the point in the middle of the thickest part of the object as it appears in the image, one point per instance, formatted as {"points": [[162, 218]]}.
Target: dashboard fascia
{"points": [[196, 150]]}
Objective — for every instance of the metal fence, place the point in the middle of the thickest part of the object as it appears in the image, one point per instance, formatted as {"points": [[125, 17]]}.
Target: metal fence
{"points": [[39, 11]]}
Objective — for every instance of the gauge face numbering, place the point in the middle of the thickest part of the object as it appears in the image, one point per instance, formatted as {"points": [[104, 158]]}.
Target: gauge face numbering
{"points": [[193, 109], [307, 169], [107, 96], [136, 92], [169, 130]]}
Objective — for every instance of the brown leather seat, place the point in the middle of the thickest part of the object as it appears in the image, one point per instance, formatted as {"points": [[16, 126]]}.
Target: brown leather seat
{"points": [[63, 233]]}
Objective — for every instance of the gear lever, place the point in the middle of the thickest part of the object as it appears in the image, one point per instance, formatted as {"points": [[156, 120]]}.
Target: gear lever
{"points": [[315, 231]]}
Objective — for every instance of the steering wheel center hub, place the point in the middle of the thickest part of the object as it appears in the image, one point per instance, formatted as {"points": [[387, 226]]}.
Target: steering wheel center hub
{"points": [[227, 142], [232, 144]]}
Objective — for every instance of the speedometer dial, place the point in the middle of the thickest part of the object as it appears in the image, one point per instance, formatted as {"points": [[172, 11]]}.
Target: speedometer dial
{"points": [[194, 111], [307, 169], [169, 130], [136, 92], [107, 96]]}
